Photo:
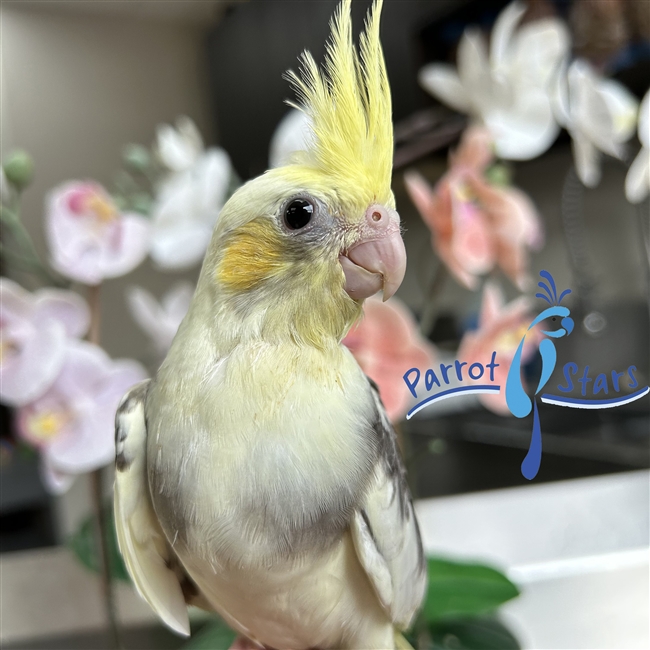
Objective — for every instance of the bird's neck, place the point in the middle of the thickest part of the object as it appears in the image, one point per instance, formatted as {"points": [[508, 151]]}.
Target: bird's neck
{"points": [[304, 312]]}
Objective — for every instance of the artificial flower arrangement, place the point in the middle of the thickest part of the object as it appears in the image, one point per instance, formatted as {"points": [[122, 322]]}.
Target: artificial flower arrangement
{"points": [[54, 372], [519, 92]]}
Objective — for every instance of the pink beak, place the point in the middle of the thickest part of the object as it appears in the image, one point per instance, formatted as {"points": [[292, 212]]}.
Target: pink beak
{"points": [[378, 260]]}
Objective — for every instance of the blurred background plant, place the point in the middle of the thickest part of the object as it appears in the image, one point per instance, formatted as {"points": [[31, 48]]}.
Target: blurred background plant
{"points": [[512, 82]]}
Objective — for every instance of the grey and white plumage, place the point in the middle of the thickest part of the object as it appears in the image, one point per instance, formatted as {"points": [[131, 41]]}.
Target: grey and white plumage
{"points": [[325, 554], [257, 472]]}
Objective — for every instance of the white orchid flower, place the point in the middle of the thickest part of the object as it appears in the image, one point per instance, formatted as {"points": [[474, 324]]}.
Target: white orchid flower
{"points": [[160, 320], [189, 199], [506, 88], [599, 114], [179, 148], [637, 181], [290, 136]]}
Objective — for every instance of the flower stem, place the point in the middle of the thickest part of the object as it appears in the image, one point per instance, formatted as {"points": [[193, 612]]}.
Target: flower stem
{"points": [[105, 564], [430, 307], [644, 241], [94, 302], [575, 234]]}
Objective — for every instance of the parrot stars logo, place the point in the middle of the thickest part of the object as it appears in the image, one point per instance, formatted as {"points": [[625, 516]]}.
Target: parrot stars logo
{"points": [[519, 403], [517, 400]]}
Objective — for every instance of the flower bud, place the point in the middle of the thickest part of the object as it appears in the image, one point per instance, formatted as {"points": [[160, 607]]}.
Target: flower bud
{"points": [[19, 169], [499, 175], [137, 157]]}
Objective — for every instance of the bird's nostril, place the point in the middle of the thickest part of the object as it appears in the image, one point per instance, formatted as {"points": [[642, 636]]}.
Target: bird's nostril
{"points": [[378, 220]]}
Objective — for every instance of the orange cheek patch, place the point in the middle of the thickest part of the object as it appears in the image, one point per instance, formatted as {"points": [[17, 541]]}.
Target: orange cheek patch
{"points": [[252, 254]]}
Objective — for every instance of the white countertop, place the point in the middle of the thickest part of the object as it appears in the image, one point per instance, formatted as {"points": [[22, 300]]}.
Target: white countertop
{"points": [[578, 549]]}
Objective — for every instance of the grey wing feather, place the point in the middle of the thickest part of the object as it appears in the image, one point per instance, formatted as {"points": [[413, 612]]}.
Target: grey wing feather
{"points": [[148, 556], [386, 533]]}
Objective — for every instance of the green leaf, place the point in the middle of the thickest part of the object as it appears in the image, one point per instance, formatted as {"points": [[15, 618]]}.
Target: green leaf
{"points": [[472, 633], [214, 636], [120, 201], [83, 543], [25, 451], [457, 588], [141, 202], [125, 184]]}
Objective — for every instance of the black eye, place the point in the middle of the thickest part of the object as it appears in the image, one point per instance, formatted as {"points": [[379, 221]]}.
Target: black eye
{"points": [[298, 214], [553, 318]]}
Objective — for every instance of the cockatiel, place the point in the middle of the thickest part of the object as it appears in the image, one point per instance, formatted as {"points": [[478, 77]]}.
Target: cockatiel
{"points": [[257, 473]]}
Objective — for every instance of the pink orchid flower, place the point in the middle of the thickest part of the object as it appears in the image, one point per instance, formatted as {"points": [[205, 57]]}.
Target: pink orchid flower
{"points": [[89, 238], [72, 424], [476, 225], [34, 332], [386, 343], [501, 328]]}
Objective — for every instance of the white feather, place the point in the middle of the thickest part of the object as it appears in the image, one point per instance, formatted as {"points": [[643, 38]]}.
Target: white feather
{"points": [[387, 539], [388, 547], [141, 540]]}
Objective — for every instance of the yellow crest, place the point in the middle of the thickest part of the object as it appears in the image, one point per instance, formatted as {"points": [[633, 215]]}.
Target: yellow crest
{"points": [[349, 106]]}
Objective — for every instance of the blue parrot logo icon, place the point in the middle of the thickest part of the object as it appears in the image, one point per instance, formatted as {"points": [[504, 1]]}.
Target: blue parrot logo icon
{"points": [[519, 403]]}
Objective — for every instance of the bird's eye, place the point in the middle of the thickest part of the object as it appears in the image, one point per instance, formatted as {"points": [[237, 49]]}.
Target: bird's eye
{"points": [[298, 214], [553, 318]]}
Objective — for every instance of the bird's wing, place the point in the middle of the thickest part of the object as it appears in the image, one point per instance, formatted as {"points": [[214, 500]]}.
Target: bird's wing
{"points": [[149, 559], [386, 533]]}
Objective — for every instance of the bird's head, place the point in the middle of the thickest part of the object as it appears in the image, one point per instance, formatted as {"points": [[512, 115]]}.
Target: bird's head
{"points": [[557, 317], [305, 243]]}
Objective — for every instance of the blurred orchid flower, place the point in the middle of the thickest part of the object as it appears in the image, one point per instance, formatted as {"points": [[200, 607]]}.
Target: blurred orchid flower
{"points": [[637, 182], [189, 199], [89, 238], [34, 333], [72, 424], [600, 115], [160, 320], [501, 328], [386, 343], [507, 89], [179, 148], [290, 136], [476, 225]]}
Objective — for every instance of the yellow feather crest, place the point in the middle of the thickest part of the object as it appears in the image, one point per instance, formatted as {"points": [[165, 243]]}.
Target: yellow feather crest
{"points": [[349, 106]]}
